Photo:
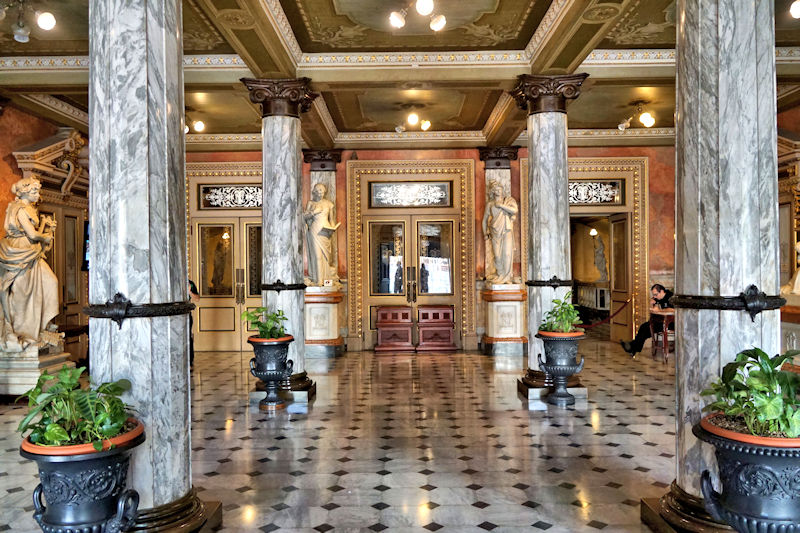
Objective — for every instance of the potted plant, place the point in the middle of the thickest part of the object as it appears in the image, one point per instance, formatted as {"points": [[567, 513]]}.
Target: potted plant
{"points": [[754, 424], [81, 440], [271, 348], [560, 336]]}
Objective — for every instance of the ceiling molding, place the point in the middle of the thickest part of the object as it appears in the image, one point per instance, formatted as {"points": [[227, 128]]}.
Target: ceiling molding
{"points": [[279, 21], [614, 137], [59, 107], [555, 14]]}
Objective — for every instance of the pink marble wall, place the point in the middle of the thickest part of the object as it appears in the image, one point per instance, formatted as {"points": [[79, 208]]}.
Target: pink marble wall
{"points": [[790, 120]]}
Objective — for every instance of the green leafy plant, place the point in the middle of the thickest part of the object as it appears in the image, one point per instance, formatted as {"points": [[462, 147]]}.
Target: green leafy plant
{"points": [[562, 318], [62, 413], [269, 325], [753, 389]]}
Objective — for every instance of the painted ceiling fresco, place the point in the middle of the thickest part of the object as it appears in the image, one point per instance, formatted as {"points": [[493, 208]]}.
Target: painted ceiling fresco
{"points": [[360, 25]]}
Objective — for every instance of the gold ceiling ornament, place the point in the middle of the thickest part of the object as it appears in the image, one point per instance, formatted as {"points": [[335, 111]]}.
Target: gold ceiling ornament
{"points": [[236, 19]]}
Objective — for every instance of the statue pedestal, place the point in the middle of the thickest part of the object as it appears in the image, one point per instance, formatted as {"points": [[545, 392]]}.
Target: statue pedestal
{"points": [[19, 371], [505, 320], [322, 322]]}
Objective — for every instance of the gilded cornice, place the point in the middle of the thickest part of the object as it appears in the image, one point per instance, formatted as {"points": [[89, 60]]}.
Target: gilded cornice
{"points": [[238, 169], [58, 106]]}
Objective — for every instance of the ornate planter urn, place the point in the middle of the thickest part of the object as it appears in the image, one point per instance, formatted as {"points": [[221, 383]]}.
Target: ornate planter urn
{"points": [[561, 362], [760, 479], [82, 490], [270, 366]]}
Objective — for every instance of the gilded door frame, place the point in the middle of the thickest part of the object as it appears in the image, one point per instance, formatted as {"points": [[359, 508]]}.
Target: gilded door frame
{"points": [[461, 169], [634, 170]]}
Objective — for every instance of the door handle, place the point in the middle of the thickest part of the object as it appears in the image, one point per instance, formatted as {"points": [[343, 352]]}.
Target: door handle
{"points": [[414, 291], [408, 292], [240, 293]]}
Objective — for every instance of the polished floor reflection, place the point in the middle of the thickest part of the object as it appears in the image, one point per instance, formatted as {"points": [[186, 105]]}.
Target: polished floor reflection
{"points": [[417, 444]]}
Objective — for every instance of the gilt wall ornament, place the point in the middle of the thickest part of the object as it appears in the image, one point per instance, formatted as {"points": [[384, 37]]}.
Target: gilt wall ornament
{"points": [[541, 94], [595, 192], [230, 196], [283, 97]]}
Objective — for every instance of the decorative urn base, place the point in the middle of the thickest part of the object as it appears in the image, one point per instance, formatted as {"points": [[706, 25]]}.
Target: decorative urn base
{"points": [[270, 365], [85, 492], [560, 362], [760, 483]]}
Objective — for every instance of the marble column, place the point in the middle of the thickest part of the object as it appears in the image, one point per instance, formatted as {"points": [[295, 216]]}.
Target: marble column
{"points": [[505, 327], [137, 220], [727, 211], [282, 101], [323, 339], [545, 99]]}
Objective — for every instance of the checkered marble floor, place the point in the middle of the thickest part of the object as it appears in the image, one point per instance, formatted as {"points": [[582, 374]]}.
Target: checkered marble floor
{"points": [[417, 443]]}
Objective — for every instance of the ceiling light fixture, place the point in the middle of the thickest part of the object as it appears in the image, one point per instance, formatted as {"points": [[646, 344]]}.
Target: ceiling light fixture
{"points": [[438, 22], [185, 129], [45, 20], [21, 32], [399, 128], [398, 18], [425, 125], [625, 124], [593, 232], [424, 7], [198, 126], [647, 119], [413, 119], [794, 9]]}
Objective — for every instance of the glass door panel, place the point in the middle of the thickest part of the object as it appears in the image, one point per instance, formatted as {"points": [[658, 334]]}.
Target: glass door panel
{"points": [[435, 257], [251, 286], [387, 257], [216, 247]]}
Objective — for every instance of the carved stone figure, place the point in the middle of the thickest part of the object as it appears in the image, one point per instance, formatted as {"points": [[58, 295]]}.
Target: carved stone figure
{"points": [[498, 230], [28, 287], [600, 258], [321, 224], [793, 287]]}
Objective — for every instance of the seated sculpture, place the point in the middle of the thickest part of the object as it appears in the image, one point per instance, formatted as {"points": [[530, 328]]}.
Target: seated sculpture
{"points": [[28, 286]]}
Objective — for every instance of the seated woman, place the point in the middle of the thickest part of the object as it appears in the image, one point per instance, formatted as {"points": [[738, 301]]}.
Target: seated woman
{"points": [[659, 303], [28, 287]]}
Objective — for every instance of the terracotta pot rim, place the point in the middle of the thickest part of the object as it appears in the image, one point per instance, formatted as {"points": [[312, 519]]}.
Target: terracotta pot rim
{"points": [[772, 442], [561, 333], [81, 449], [262, 340]]}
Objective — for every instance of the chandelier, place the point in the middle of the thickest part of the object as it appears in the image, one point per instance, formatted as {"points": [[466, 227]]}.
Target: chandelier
{"points": [[397, 19], [22, 31]]}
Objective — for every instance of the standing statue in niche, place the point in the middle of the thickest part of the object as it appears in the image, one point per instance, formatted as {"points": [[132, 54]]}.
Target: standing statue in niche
{"points": [[321, 226], [498, 230], [793, 286], [600, 258], [28, 287]]}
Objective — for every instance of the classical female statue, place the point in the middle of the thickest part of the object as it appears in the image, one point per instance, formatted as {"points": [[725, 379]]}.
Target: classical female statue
{"points": [[600, 258], [498, 229], [28, 287], [321, 224]]}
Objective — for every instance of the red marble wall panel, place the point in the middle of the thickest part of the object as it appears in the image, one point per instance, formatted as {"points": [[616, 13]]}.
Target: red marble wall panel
{"points": [[18, 129], [790, 120]]}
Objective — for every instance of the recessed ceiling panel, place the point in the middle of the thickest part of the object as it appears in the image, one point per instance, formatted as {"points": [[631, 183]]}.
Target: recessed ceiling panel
{"points": [[71, 34], [605, 106], [384, 109], [223, 111], [362, 25]]}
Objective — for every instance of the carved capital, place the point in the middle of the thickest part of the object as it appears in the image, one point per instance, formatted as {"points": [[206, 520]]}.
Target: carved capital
{"points": [[322, 159], [546, 94], [498, 156], [288, 97]]}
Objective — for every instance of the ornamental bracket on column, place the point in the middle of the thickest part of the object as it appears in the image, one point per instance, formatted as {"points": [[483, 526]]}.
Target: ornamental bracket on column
{"points": [[546, 94], [751, 300], [286, 97], [498, 156], [322, 159]]}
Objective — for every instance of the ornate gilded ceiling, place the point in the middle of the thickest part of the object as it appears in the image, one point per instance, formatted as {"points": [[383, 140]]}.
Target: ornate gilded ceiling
{"points": [[360, 25]]}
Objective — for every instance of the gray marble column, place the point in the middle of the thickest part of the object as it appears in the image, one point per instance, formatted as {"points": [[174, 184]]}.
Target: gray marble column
{"points": [[137, 220], [282, 101], [545, 97], [727, 205]]}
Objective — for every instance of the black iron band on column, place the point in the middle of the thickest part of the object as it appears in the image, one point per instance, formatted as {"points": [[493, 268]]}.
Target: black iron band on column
{"points": [[119, 308], [751, 300], [279, 286], [552, 282]]}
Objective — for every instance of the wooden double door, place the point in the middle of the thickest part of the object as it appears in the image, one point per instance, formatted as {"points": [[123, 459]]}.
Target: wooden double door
{"points": [[411, 260]]}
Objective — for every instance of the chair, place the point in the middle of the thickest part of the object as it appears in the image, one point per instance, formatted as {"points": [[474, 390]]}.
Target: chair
{"points": [[664, 340]]}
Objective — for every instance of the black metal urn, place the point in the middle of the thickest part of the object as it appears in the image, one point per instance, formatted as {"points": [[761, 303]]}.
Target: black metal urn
{"points": [[561, 362], [85, 492], [271, 366], [760, 484]]}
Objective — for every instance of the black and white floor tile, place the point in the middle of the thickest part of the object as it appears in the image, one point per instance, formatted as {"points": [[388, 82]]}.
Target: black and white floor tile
{"points": [[417, 443]]}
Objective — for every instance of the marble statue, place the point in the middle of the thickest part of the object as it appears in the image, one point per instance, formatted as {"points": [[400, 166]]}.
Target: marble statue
{"points": [[28, 287], [498, 230], [600, 258], [793, 287], [321, 225]]}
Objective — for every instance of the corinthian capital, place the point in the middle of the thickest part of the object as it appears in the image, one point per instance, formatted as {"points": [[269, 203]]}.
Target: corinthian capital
{"points": [[542, 94], [281, 97]]}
